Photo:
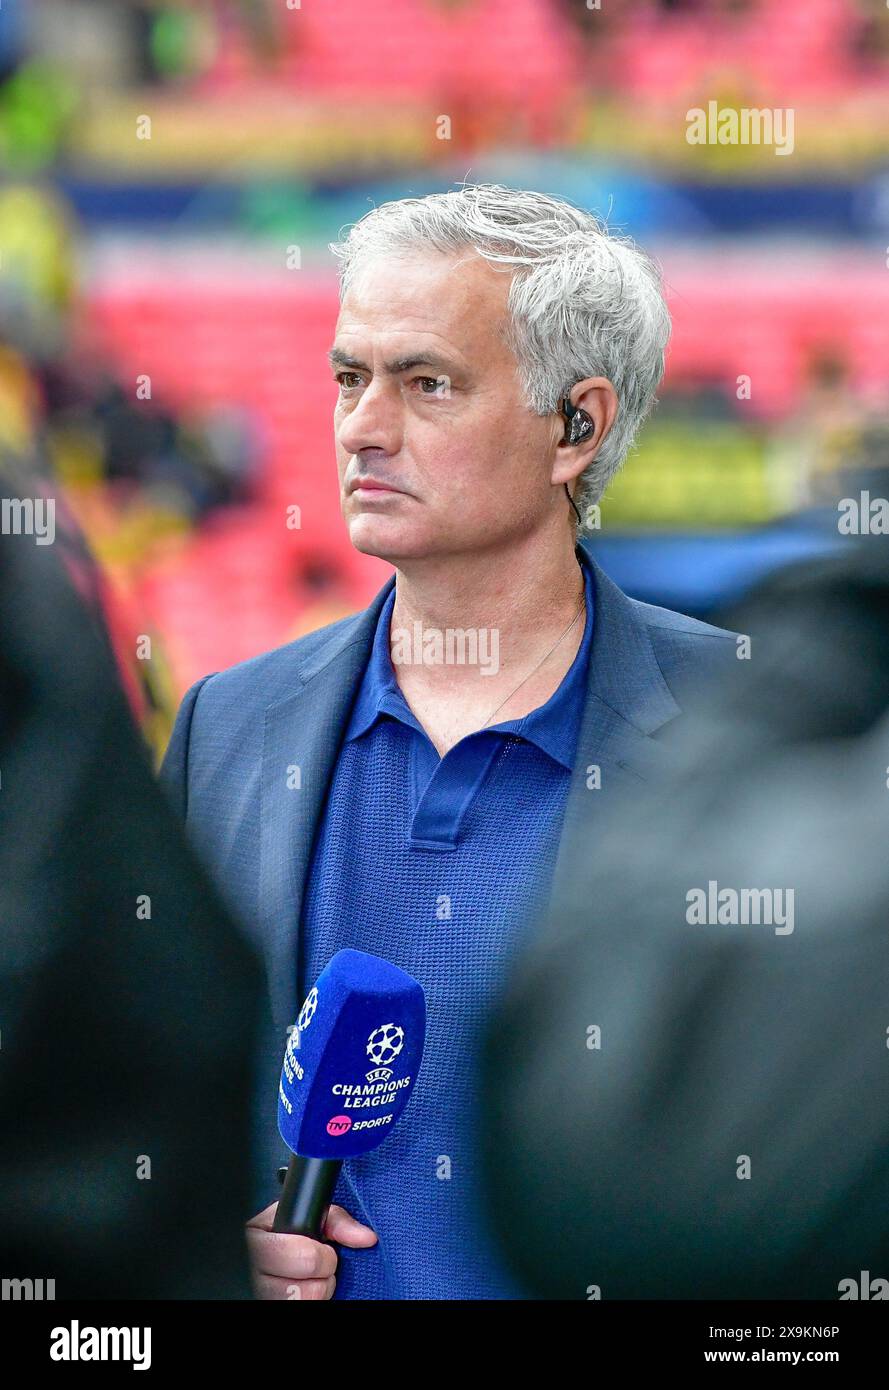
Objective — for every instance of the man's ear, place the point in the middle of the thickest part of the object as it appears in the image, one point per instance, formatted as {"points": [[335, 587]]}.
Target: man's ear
{"points": [[597, 399]]}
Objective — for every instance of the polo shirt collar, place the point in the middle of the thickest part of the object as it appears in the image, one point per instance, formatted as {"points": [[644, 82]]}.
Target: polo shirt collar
{"points": [[552, 726]]}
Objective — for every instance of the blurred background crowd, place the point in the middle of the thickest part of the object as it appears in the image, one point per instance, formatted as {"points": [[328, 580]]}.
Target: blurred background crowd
{"points": [[173, 173]]}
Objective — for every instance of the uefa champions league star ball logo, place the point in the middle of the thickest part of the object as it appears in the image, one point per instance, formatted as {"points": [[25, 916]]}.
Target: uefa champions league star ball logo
{"points": [[307, 1012], [385, 1043]]}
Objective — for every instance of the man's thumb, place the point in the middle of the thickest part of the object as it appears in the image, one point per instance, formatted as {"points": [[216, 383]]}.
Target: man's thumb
{"points": [[345, 1230]]}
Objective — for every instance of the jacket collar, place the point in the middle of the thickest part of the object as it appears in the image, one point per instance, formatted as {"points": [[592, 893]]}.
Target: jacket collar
{"points": [[623, 671]]}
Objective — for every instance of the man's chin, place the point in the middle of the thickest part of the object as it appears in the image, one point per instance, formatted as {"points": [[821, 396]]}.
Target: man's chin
{"points": [[387, 538]]}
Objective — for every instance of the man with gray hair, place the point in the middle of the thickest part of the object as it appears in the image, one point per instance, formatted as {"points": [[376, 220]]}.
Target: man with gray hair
{"points": [[404, 781]]}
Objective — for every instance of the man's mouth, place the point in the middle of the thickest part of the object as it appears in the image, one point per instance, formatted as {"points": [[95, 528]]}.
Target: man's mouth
{"points": [[372, 485]]}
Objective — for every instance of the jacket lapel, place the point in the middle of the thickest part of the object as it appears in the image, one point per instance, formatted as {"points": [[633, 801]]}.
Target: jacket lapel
{"points": [[301, 741], [627, 700]]}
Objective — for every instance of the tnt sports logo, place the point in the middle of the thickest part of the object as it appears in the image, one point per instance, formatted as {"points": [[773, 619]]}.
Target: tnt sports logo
{"points": [[307, 1012], [385, 1043], [338, 1125]]}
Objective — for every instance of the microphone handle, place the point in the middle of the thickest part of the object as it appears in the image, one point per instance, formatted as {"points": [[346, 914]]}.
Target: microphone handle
{"points": [[306, 1196]]}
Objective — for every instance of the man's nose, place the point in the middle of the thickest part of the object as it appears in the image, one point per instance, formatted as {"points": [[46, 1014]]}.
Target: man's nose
{"points": [[373, 422]]}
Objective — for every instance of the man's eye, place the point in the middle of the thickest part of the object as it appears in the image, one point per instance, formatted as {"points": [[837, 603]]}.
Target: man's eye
{"points": [[429, 385], [348, 380]]}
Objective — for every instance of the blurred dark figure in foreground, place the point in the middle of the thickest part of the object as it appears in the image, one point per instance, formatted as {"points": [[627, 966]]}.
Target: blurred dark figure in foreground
{"points": [[127, 1000], [687, 1103]]}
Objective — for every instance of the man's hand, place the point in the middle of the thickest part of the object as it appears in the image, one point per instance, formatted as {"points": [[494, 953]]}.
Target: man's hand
{"points": [[286, 1267]]}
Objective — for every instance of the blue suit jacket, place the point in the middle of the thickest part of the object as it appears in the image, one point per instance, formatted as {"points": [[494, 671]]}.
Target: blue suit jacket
{"points": [[254, 748]]}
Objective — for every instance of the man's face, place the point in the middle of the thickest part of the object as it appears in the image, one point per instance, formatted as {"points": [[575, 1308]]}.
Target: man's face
{"points": [[437, 452]]}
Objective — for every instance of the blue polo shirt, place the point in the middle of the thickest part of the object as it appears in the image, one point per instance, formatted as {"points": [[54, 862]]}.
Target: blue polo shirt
{"points": [[440, 865]]}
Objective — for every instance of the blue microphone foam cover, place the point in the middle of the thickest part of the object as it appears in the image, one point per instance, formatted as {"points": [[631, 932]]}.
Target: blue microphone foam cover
{"points": [[352, 1059]]}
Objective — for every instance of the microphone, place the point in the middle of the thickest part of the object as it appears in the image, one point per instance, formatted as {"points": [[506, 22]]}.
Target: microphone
{"points": [[349, 1070]]}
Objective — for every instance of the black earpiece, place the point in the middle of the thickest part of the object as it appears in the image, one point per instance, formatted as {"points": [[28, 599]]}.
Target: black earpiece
{"points": [[578, 422], [579, 426]]}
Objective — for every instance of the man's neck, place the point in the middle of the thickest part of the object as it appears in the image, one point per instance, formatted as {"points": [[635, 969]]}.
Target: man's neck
{"points": [[509, 608]]}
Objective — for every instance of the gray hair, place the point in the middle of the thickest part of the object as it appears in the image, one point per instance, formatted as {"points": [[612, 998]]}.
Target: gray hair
{"points": [[582, 302]]}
